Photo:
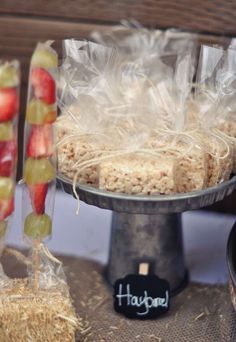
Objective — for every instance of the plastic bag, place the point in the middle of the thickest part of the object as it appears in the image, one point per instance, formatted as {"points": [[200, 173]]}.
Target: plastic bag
{"points": [[135, 41], [111, 112], [99, 114], [40, 165], [9, 112], [215, 105], [121, 113]]}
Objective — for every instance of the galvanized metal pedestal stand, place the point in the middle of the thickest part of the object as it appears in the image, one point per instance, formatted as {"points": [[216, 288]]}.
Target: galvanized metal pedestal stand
{"points": [[148, 229]]}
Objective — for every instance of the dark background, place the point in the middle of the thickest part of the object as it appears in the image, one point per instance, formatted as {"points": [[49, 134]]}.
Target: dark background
{"points": [[24, 22]]}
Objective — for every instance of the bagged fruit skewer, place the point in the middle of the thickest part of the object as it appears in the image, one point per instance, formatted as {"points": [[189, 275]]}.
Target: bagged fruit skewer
{"points": [[40, 163], [9, 110], [38, 307]]}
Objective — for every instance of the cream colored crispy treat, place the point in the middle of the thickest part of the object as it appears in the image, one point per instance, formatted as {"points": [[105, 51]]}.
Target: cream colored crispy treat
{"points": [[219, 170], [197, 162], [136, 174], [69, 153], [229, 128], [220, 160], [191, 168], [70, 150], [43, 316]]}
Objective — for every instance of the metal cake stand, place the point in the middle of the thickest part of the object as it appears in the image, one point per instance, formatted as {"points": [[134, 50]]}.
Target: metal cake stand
{"points": [[148, 229]]}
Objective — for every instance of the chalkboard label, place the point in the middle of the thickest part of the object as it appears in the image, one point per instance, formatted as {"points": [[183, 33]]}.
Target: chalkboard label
{"points": [[141, 296]]}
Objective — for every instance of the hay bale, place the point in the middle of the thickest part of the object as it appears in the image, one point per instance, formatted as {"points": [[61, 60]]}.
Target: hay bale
{"points": [[42, 316]]}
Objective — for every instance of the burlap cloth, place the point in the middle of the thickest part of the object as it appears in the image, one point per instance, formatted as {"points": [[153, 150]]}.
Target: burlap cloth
{"points": [[200, 313]]}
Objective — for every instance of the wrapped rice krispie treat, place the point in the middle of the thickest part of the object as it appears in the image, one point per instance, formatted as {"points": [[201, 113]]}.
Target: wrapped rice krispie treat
{"points": [[99, 119], [228, 123], [138, 174], [218, 157], [189, 157], [127, 127], [191, 170], [70, 150], [173, 134], [228, 127], [121, 112], [215, 104]]}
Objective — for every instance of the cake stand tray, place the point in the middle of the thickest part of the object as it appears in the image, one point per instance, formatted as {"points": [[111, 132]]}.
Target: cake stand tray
{"points": [[148, 228]]}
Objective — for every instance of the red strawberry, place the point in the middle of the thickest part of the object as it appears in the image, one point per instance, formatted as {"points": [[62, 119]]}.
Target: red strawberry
{"points": [[40, 143], [6, 207], [44, 85], [8, 158], [38, 193], [9, 103]]}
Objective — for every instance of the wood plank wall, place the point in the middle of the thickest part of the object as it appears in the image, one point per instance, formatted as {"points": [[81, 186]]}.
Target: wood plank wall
{"points": [[24, 22], [208, 16]]}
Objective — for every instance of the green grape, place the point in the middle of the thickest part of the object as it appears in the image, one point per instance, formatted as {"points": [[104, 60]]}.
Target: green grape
{"points": [[6, 131], [3, 229], [44, 58], [9, 76], [38, 226], [38, 171], [6, 188], [39, 113]]}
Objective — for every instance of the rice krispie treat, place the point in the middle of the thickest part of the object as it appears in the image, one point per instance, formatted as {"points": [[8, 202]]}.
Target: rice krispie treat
{"points": [[191, 170], [69, 153], [219, 159], [190, 159], [70, 150], [138, 174], [229, 128]]}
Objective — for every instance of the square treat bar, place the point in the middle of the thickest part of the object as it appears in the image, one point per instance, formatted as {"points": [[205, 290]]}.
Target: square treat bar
{"points": [[191, 168], [138, 174], [70, 150], [69, 153], [43, 316], [220, 160], [229, 128]]}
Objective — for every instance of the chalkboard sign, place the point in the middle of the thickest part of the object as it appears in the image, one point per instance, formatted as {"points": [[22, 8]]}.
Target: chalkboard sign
{"points": [[141, 296]]}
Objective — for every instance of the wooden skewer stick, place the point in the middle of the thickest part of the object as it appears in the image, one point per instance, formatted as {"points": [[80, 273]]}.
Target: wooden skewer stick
{"points": [[36, 263]]}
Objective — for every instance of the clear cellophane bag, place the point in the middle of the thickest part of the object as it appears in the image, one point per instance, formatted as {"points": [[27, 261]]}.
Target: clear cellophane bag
{"points": [[9, 114], [214, 107]]}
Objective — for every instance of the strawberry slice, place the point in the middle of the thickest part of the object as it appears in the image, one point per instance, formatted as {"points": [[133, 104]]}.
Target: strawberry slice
{"points": [[38, 193], [40, 143], [6, 207], [9, 103], [44, 85], [8, 158]]}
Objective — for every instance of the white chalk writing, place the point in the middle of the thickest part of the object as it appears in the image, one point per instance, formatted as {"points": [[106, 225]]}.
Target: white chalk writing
{"points": [[145, 302]]}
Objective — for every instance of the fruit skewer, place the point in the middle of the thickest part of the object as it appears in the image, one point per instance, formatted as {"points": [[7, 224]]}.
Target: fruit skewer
{"points": [[39, 156], [9, 110]]}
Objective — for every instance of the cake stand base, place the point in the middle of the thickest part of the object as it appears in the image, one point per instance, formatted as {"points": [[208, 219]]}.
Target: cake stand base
{"points": [[153, 239]]}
